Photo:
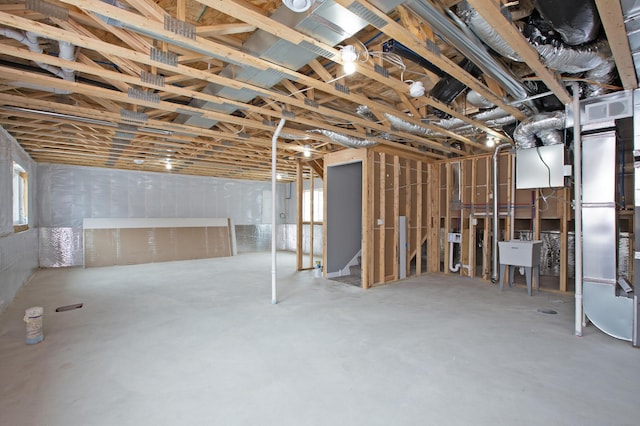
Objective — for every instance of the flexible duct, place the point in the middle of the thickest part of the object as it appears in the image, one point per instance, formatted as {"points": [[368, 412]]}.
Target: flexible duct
{"points": [[478, 55], [485, 32], [477, 100], [595, 59], [344, 140], [545, 125], [577, 21], [400, 124]]}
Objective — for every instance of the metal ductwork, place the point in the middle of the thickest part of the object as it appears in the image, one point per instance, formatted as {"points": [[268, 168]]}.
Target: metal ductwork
{"points": [[611, 310], [577, 21], [448, 88], [595, 59], [546, 126], [344, 140], [485, 32], [325, 21], [471, 49], [400, 124], [494, 118]]}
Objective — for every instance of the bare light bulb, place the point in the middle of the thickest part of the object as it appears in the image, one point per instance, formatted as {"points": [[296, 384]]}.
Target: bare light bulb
{"points": [[307, 151], [168, 166]]}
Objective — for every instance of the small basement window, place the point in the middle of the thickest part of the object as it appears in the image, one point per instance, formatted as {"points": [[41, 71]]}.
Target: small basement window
{"points": [[318, 206], [20, 198]]}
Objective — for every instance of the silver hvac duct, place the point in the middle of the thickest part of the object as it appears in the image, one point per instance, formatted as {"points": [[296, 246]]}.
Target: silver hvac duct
{"points": [[485, 32], [595, 59], [546, 126], [494, 118], [344, 140], [477, 100], [611, 313], [469, 48]]}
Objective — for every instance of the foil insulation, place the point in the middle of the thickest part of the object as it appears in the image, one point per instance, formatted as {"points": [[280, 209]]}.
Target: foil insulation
{"points": [[60, 247]]}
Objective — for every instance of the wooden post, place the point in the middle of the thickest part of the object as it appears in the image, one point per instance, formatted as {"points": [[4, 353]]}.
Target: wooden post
{"points": [[433, 211], [396, 213], [564, 239], [447, 216]]}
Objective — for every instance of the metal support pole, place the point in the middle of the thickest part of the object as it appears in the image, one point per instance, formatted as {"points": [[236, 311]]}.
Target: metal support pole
{"points": [[274, 143], [577, 191]]}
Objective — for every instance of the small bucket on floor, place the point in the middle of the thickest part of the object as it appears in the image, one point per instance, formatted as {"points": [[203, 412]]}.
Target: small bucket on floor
{"points": [[33, 318]]}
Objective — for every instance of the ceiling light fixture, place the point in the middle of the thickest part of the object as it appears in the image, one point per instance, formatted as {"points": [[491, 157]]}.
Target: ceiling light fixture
{"points": [[349, 56], [298, 5], [168, 165], [307, 151], [491, 141], [416, 89]]}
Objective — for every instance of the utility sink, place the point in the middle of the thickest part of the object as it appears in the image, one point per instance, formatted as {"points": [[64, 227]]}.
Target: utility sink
{"points": [[520, 252]]}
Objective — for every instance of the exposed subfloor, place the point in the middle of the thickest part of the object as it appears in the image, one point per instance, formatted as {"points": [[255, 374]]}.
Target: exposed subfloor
{"points": [[199, 343]]}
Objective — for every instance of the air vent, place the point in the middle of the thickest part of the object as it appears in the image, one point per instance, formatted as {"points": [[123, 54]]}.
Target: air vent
{"points": [[364, 13], [609, 110]]}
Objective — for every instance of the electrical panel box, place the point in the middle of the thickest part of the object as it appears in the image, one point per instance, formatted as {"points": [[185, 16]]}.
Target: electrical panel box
{"points": [[540, 167]]}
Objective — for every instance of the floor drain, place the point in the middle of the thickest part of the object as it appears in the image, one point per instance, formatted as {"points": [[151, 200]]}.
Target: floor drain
{"points": [[547, 311], [69, 307]]}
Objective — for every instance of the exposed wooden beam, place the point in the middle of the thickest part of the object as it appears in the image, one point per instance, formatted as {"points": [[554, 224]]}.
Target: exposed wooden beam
{"points": [[613, 22]]}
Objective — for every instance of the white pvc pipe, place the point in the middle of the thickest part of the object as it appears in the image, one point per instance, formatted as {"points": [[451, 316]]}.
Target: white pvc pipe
{"points": [[496, 228], [274, 271], [577, 195], [451, 267]]}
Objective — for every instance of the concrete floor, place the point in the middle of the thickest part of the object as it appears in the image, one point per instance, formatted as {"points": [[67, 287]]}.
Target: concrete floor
{"points": [[199, 343]]}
